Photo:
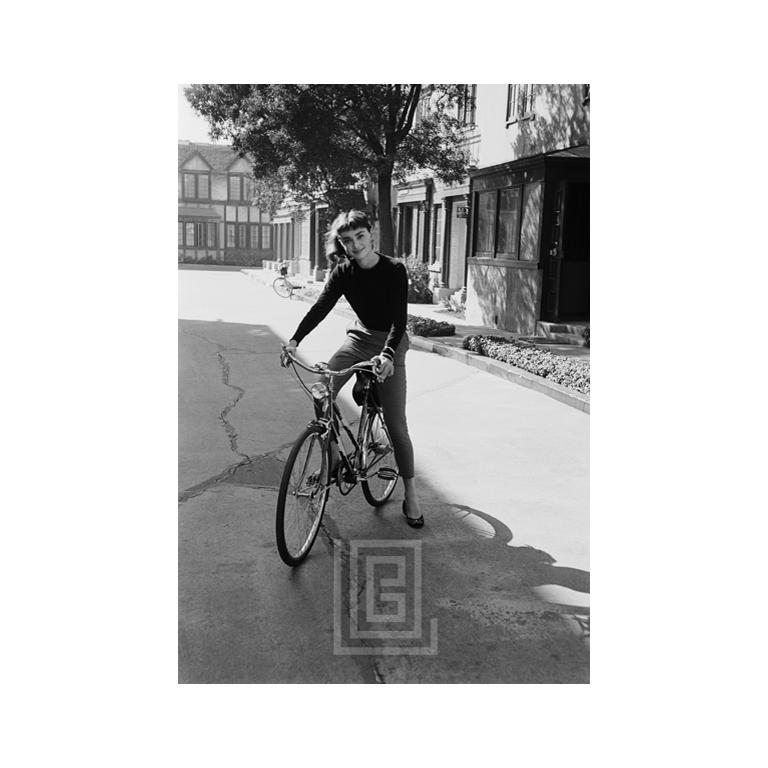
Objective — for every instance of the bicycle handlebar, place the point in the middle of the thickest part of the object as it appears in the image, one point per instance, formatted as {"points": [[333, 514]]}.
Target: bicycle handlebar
{"points": [[286, 358]]}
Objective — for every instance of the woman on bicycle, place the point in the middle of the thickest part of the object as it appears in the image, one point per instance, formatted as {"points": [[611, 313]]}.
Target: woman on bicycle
{"points": [[376, 287]]}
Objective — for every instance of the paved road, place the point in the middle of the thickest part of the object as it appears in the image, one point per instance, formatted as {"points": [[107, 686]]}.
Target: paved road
{"points": [[504, 480]]}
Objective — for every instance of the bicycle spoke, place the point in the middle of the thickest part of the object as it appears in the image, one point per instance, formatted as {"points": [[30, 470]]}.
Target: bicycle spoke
{"points": [[302, 497], [380, 468]]}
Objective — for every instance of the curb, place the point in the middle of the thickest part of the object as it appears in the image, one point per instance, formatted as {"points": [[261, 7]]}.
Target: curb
{"points": [[487, 364], [504, 371]]}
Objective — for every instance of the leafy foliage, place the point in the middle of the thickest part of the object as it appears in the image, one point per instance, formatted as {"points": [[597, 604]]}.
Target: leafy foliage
{"points": [[425, 326], [319, 139], [418, 281], [570, 373], [231, 258]]}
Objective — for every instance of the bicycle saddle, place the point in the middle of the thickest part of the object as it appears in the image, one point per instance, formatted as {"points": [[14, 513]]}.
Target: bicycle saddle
{"points": [[358, 391]]}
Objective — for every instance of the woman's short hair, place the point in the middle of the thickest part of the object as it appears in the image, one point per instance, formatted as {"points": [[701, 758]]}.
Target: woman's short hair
{"points": [[344, 222]]}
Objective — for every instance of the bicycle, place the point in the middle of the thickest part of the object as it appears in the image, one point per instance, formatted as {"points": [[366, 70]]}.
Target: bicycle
{"points": [[307, 481], [284, 287]]}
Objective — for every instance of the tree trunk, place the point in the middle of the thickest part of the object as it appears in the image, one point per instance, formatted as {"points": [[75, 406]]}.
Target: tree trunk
{"points": [[386, 231]]}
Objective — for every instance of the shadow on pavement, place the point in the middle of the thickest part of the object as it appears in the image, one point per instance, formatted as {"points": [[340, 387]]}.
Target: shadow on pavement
{"points": [[246, 617]]}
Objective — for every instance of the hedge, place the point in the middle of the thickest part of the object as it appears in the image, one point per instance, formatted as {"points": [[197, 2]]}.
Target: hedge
{"points": [[566, 371], [424, 326]]}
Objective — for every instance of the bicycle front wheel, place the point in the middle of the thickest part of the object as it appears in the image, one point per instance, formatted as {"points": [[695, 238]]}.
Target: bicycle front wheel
{"points": [[379, 465], [303, 495], [281, 287]]}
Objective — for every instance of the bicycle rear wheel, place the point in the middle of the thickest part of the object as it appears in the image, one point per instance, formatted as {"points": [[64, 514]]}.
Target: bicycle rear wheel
{"points": [[282, 288], [379, 465], [303, 495]]}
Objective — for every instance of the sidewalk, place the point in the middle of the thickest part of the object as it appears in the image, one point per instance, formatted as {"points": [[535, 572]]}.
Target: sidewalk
{"points": [[451, 346]]}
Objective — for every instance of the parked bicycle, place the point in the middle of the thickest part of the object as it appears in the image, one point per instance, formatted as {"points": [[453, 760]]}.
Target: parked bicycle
{"points": [[367, 458], [284, 287]]}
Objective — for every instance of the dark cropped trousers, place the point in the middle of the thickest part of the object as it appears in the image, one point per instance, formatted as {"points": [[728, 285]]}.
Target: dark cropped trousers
{"points": [[361, 345]]}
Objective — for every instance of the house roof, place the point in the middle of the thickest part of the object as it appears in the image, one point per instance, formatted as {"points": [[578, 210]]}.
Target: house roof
{"points": [[218, 156]]}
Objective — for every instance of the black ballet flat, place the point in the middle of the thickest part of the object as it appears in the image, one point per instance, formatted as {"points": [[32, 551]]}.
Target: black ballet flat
{"points": [[413, 522]]}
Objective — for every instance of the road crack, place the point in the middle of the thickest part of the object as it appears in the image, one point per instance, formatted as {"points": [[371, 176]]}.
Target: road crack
{"points": [[228, 428]]}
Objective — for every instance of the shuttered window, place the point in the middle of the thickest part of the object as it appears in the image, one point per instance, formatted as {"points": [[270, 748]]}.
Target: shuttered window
{"points": [[466, 109], [520, 101]]}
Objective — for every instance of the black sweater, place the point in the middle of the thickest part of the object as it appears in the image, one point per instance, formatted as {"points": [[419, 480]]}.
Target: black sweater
{"points": [[378, 295]]}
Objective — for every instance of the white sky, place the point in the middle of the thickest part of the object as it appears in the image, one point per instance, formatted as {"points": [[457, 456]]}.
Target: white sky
{"points": [[192, 127]]}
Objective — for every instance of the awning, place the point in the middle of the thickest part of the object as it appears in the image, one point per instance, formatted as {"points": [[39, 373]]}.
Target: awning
{"points": [[199, 213], [572, 152]]}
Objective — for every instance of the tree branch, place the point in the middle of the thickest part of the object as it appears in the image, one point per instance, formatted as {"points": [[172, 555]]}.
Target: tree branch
{"points": [[409, 110]]}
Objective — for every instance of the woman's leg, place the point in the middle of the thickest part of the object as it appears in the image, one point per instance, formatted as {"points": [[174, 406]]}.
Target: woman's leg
{"points": [[392, 394], [345, 356]]}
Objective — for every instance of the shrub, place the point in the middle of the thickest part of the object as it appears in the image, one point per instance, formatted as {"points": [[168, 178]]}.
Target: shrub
{"points": [[241, 259], [418, 281], [425, 326], [570, 373]]}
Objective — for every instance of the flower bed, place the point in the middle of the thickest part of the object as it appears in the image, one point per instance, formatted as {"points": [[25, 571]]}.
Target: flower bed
{"points": [[424, 326], [565, 371]]}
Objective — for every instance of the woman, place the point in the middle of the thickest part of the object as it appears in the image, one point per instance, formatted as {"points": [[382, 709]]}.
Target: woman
{"points": [[376, 287]]}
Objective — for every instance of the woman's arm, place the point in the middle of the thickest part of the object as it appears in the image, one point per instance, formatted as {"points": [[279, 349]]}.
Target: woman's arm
{"points": [[399, 311], [320, 309]]}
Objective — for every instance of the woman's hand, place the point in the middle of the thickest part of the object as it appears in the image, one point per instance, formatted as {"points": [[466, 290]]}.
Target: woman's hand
{"points": [[384, 367], [289, 348]]}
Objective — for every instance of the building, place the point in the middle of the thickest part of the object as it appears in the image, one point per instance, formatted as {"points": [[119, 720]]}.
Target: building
{"points": [[299, 231], [515, 234], [218, 221]]}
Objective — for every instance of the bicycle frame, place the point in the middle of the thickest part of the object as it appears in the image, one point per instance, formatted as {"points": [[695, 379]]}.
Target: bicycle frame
{"points": [[329, 417]]}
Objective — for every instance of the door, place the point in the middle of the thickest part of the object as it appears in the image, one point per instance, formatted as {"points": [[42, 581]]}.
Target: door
{"points": [[574, 265], [456, 245], [554, 257]]}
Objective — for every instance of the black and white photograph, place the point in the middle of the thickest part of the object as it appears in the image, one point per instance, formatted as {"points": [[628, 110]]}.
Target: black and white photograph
{"points": [[337, 481], [384, 383]]}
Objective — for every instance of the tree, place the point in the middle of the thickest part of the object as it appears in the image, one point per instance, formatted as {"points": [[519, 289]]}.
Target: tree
{"points": [[318, 139]]}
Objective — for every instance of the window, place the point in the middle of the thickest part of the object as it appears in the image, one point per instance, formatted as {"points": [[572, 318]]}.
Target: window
{"points": [[196, 186], [211, 234], [266, 231], [497, 223], [240, 187], [423, 106], [246, 236], [466, 107], [486, 223], [509, 222], [197, 234], [437, 233], [520, 100]]}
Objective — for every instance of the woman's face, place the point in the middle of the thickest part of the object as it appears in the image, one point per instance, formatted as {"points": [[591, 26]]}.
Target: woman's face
{"points": [[358, 243]]}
